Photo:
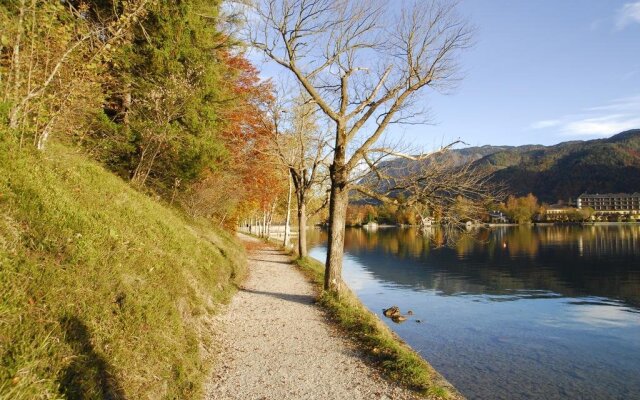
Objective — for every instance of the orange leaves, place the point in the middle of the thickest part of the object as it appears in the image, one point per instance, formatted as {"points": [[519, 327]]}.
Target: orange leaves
{"points": [[248, 96], [246, 136]]}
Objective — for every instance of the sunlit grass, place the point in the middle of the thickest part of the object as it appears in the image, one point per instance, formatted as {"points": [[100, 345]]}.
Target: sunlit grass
{"points": [[104, 292]]}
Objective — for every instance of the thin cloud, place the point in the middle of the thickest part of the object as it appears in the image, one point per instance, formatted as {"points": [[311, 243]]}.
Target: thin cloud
{"points": [[548, 123], [628, 14], [619, 105], [614, 117], [595, 25], [603, 126], [629, 75]]}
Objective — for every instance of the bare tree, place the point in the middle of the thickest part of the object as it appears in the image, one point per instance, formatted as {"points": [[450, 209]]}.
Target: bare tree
{"points": [[300, 145], [435, 187], [160, 105], [364, 63]]}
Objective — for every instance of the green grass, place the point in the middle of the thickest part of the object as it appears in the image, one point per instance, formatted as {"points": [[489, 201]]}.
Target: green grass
{"points": [[394, 358], [104, 292]]}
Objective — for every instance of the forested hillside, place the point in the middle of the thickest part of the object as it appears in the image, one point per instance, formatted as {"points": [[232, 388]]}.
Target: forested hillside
{"points": [[159, 92], [552, 173], [569, 169]]}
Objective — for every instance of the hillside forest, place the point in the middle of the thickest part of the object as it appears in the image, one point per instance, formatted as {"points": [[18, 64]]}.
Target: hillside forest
{"points": [[160, 93]]}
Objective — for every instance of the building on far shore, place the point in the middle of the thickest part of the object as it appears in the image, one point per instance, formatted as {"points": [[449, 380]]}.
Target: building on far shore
{"points": [[611, 203], [558, 211], [497, 217]]}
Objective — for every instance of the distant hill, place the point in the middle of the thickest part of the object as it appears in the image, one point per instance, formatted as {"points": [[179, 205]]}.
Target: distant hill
{"points": [[568, 169], [561, 171]]}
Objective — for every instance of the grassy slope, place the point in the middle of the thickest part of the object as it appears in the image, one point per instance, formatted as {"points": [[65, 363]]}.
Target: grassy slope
{"points": [[104, 292], [396, 360]]}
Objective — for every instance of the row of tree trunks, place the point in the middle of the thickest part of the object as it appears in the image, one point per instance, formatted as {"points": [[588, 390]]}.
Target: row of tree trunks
{"points": [[260, 225]]}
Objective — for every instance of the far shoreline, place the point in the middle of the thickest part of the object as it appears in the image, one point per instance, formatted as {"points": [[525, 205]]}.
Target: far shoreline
{"points": [[492, 225]]}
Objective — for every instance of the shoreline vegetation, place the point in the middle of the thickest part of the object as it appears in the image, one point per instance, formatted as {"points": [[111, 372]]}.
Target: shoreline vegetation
{"points": [[397, 360], [493, 225]]}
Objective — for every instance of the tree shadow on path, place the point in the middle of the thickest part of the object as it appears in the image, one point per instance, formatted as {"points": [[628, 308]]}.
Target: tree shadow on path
{"points": [[271, 261], [296, 298], [89, 376]]}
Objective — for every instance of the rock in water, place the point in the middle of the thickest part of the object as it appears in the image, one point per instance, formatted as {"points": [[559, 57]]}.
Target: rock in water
{"points": [[398, 319], [391, 312]]}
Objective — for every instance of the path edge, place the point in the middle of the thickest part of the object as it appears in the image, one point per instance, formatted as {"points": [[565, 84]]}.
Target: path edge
{"points": [[382, 348]]}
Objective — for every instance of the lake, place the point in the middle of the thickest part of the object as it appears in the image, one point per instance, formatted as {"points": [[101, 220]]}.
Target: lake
{"points": [[549, 312]]}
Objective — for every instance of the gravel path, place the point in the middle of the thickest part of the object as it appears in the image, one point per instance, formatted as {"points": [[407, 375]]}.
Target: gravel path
{"points": [[278, 344]]}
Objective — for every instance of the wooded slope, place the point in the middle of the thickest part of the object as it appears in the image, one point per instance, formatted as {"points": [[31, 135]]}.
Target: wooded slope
{"points": [[569, 169]]}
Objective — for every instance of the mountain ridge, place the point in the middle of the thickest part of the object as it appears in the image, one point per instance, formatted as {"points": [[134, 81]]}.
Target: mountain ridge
{"points": [[557, 172], [568, 169]]}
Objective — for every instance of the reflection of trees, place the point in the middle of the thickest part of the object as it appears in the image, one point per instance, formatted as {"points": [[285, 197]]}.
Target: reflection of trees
{"points": [[566, 260], [522, 241]]}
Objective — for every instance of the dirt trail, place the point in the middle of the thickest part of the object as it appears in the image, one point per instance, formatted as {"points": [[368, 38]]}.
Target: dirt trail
{"points": [[279, 345]]}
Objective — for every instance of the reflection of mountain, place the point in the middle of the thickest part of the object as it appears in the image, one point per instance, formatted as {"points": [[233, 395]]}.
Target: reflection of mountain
{"points": [[510, 263]]}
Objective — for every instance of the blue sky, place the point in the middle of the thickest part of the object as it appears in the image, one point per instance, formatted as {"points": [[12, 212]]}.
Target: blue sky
{"points": [[540, 72], [543, 71]]}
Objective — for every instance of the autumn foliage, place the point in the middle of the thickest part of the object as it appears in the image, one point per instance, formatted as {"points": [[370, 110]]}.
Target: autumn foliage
{"points": [[249, 183], [155, 91]]}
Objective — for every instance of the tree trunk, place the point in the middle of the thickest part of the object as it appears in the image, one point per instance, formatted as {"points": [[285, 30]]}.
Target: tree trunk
{"points": [[337, 215], [302, 227], [287, 222], [264, 223], [270, 219], [44, 136]]}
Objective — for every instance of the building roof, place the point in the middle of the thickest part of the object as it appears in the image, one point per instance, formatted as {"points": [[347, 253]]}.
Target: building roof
{"points": [[608, 195]]}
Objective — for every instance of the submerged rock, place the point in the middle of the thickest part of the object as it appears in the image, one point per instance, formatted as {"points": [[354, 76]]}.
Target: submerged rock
{"points": [[395, 315], [391, 312]]}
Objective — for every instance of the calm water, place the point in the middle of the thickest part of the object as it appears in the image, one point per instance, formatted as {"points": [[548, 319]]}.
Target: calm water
{"points": [[516, 313]]}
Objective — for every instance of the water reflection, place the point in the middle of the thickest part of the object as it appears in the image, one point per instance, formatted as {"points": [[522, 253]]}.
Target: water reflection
{"points": [[603, 317], [518, 262], [520, 312]]}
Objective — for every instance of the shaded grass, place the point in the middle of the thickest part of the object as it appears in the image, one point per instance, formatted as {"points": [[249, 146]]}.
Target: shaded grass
{"points": [[104, 292], [392, 356]]}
